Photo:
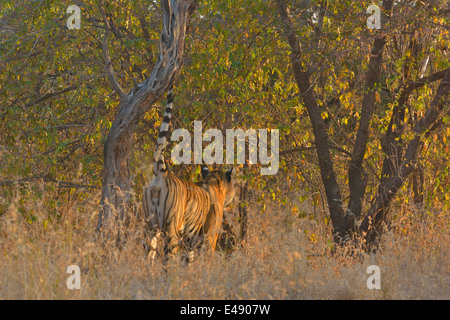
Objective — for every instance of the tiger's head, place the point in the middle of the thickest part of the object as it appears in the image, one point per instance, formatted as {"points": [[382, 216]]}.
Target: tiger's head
{"points": [[226, 183]]}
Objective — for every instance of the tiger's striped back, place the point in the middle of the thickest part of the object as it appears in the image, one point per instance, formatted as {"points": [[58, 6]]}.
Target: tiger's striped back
{"points": [[179, 211]]}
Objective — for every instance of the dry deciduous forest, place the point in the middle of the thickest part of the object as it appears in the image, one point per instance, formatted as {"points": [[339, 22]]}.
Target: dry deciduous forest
{"points": [[359, 92]]}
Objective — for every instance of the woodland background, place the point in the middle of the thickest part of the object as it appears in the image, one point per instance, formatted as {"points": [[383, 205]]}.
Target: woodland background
{"points": [[57, 107]]}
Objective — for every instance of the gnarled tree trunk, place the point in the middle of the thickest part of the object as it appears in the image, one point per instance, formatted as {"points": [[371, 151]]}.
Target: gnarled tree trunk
{"points": [[116, 172]]}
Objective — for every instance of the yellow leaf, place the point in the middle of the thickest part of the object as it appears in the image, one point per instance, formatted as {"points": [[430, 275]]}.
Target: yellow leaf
{"points": [[377, 97]]}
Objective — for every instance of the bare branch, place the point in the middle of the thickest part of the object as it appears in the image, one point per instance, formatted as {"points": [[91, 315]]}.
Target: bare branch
{"points": [[298, 149], [49, 95], [391, 140], [45, 178], [108, 64], [408, 88]]}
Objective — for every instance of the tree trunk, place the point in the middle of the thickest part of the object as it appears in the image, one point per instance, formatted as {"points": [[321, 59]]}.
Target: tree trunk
{"points": [[342, 223], [243, 212], [372, 225], [116, 172], [398, 164]]}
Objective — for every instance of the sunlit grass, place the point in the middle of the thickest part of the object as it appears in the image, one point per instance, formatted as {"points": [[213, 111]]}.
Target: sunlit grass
{"points": [[283, 257]]}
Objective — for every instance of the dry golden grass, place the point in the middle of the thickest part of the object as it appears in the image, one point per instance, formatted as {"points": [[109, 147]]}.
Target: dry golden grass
{"points": [[284, 257]]}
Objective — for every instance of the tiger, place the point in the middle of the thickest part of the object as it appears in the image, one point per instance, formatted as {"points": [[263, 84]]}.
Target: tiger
{"points": [[183, 214]]}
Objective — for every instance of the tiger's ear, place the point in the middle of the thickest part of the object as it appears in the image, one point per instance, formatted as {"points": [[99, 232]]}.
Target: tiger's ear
{"points": [[230, 174], [205, 172], [235, 175]]}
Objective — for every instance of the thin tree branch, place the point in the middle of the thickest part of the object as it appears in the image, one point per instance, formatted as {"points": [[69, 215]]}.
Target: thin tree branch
{"points": [[298, 149], [408, 88], [405, 91], [51, 94], [108, 64], [44, 178]]}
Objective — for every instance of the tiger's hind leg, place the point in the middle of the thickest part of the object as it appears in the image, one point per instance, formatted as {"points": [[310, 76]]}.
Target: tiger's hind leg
{"points": [[191, 248], [172, 243], [155, 244]]}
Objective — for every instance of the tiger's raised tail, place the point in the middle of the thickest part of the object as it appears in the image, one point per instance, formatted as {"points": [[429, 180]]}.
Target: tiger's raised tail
{"points": [[159, 166]]}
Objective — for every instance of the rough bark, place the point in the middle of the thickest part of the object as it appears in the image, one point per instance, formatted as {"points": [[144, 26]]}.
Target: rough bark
{"points": [[116, 175]]}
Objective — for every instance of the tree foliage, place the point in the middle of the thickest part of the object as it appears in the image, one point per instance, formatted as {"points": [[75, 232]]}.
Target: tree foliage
{"points": [[57, 106]]}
